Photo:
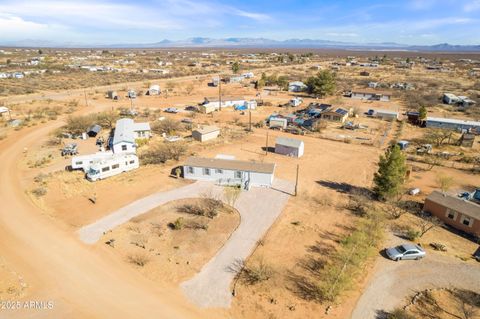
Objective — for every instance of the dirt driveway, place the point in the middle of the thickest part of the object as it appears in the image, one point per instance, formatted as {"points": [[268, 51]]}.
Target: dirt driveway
{"points": [[392, 282]]}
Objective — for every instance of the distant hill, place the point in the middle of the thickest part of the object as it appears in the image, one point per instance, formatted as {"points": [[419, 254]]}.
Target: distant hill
{"points": [[198, 42]]}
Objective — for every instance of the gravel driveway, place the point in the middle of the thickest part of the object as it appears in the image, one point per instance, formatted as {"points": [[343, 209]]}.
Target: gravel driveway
{"points": [[393, 281], [259, 208], [90, 234]]}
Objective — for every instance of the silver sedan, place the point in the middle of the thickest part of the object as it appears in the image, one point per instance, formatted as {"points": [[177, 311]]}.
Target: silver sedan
{"points": [[405, 251]]}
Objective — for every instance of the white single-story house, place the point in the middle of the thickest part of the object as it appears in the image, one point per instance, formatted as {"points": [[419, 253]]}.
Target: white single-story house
{"points": [[229, 172], [154, 90], [369, 94], [126, 132], [3, 110], [386, 115], [205, 133], [211, 104], [289, 146], [449, 98], [297, 86]]}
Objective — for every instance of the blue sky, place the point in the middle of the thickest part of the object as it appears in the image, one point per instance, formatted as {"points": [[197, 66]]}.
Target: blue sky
{"points": [[144, 21]]}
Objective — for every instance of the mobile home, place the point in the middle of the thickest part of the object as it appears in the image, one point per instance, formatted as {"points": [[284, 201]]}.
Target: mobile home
{"points": [[112, 166], [229, 172], [84, 162]]}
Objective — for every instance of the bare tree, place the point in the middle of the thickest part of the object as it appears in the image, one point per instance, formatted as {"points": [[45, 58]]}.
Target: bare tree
{"points": [[445, 182], [428, 223], [231, 194]]}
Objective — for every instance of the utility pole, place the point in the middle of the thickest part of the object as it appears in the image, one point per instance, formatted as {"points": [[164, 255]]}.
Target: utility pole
{"points": [[85, 94], [296, 180], [249, 119], [266, 146], [219, 93]]}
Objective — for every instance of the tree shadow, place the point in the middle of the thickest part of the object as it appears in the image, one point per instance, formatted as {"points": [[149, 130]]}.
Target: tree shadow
{"points": [[381, 314], [303, 287], [344, 188]]}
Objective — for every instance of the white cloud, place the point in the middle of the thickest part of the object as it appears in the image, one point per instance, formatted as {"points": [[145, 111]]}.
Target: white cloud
{"points": [[472, 6]]}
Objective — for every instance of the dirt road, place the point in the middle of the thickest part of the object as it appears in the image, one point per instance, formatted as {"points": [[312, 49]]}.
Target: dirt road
{"points": [[392, 282], [81, 281]]}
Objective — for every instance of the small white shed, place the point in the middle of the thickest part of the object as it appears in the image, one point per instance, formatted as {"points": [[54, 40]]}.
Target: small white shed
{"points": [[289, 146], [206, 133]]}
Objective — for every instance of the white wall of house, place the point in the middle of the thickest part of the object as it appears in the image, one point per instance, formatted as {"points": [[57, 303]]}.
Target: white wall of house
{"points": [[205, 137], [214, 175], [124, 147]]}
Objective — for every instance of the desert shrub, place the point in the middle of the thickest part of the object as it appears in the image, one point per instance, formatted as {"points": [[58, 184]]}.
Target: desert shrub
{"points": [[178, 224], [167, 126], [161, 152], [76, 125], [139, 259], [412, 234], [39, 191], [256, 272]]}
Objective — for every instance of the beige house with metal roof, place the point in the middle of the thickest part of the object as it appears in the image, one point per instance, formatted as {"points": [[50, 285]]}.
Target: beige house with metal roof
{"points": [[229, 172]]}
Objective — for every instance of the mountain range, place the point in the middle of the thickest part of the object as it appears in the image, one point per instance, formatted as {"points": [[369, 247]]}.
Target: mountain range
{"points": [[201, 42]]}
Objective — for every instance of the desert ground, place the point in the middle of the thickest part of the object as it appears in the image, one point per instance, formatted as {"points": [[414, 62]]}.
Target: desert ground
{"points": [[137, 268]]}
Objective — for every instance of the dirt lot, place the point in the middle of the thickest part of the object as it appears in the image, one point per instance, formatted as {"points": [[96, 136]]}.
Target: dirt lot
{"points": [[172, 256], [336, 162]]}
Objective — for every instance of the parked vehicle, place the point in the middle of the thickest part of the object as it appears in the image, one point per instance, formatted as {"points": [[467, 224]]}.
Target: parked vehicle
{"points": [[405, 251], [171, 110], [191, 108], [84, 162], [112, 166], [70, 149]]}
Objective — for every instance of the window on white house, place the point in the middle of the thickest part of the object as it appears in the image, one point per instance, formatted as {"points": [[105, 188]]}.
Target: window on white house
{"points": [[115, 166], [105, 169], [190, 170], [206, 171], [451, 214], [238, 174], [132, 161], [124, 147], [219, 171], [467, 221]]}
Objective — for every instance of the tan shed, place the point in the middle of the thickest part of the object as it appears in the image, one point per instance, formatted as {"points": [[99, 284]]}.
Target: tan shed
{"points": [[206, 133]]}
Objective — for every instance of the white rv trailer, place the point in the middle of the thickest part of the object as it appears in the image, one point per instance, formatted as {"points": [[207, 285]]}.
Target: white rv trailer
{"points": [[112, 166], [84, 162]]}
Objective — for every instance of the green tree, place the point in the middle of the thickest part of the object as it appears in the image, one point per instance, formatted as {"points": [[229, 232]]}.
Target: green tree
{"points": [[322, 84], [391, 173], [235, 67], [422, 113]]}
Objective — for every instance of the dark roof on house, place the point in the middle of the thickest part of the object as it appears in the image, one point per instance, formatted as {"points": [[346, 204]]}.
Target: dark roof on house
{"points": [[235, 165], [460, 205], [95, 128]]}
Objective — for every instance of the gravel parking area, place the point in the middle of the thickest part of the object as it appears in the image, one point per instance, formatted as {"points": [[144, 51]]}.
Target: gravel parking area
{"points": [[392, 281], [258, 208]]}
